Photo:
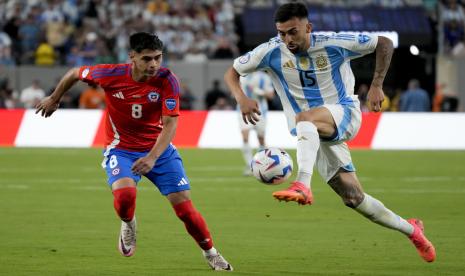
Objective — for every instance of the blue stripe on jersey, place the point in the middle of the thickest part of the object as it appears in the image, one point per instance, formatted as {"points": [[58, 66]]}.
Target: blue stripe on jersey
{"points": [[274, 60], [312, 93], [174, 84], [261, 83], [341, 128], [96, 74], [336, 57], [109, 75]]}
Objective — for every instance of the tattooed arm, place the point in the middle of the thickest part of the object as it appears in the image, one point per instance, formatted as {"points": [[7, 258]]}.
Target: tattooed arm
{"points": [[384, 50]]}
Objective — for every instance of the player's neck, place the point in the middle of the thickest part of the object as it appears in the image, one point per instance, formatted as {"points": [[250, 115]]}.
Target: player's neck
{"points": [[138, 76]]}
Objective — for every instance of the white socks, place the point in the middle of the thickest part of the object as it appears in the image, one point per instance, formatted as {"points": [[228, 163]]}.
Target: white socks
{"points": [[211, 252], [308, 142], [375, 211], [247, 153]]}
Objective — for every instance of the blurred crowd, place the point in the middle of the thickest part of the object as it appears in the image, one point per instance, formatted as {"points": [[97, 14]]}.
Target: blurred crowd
{"points": [[412, 99], [79, 32], [82, 32]]}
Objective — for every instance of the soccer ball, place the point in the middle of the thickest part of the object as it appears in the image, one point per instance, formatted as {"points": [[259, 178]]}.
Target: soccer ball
{"points": [[272, 166]]}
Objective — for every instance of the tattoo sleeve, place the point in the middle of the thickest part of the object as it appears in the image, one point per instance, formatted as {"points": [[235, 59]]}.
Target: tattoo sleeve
{"points": [[384, 51]]}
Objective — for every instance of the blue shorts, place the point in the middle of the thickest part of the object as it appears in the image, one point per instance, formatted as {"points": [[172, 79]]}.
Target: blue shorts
{"points": [[168, 174]]}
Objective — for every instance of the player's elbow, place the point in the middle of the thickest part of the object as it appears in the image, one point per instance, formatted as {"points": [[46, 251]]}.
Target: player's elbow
{"points": [[384, 42], [230, 74]]}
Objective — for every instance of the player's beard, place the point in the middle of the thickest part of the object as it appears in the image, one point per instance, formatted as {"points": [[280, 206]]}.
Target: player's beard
{"points": [[150, 73]]}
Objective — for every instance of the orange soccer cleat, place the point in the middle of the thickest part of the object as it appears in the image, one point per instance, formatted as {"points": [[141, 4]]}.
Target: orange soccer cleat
{"points": [[296, 192], [424, 247]]}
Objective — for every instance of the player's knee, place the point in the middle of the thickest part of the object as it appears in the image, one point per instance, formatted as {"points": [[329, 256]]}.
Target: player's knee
{"points": [[305, 116], [185, 210], [125, 202], [353, 200]]}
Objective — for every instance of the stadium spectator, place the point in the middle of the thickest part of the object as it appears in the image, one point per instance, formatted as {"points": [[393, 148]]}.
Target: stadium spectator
{"points": [[92, 98], [8, 96], [323, 112], [214, 94], [414, 99], [6, 57], [32, 95], [45, 54], [29, 34], [187, 98], [139, 138], [453, 18]]}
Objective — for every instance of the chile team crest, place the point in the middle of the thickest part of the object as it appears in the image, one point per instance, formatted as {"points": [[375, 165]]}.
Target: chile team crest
{"points": [[153, 96]]}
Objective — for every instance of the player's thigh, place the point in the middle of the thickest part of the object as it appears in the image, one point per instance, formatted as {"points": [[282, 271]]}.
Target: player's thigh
{"points": [[332, 158], [347, 119], [118, 165], [242, 125], [321, 117], [168, 174]]}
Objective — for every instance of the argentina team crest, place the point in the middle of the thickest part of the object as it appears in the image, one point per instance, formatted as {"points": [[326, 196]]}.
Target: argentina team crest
{"points": [[321, 62], [170, 104], [153, 96]]}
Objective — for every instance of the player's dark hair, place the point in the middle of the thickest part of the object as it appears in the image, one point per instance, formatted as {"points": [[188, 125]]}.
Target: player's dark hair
{"points": [[141, 41], [289, 11]]}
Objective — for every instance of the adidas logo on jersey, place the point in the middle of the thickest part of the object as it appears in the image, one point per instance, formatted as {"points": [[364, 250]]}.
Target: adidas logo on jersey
{"points": [[289, 64], [119, 95], [183, 182]]}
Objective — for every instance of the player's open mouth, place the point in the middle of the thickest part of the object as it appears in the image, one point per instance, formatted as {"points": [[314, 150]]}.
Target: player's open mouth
{"points": [[292, 47]]}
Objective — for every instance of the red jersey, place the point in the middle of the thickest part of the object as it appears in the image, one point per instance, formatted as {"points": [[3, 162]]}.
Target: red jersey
{"points": [[134, 108]]}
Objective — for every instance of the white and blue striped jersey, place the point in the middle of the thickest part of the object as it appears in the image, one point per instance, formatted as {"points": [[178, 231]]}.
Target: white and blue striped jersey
{"points": [[257, 85], [319, 76]]}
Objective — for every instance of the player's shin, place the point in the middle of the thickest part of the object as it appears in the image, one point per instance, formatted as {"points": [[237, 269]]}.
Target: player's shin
{"points": [[125, 202], [308, 142], [195, 224], [247, 153], [375, 211]]}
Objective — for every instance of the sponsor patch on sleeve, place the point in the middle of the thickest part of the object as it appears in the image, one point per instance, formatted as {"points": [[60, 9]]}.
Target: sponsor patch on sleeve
{"points": [[362, 38], [245, 58], [84, 73], [170, 104]]}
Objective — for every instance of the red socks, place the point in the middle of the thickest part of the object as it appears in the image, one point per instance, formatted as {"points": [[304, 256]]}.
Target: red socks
{"points": [[125, 202], [195, 224]]}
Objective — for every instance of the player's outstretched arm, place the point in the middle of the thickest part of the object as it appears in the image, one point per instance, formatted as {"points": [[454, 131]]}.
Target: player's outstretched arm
{"points": [[49, 104], [145, 164], [249, 107], [384, 50]]}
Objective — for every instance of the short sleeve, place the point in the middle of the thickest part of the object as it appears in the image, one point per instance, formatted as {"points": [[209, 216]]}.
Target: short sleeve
{"points": [[257, 59], [355, 45], [170, 96], [101, 74]]}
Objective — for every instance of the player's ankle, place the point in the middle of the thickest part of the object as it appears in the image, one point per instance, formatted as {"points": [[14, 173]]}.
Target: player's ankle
{"points": [[211, 252]]}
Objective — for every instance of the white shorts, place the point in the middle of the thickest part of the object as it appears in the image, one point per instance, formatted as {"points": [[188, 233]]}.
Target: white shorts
{"points": [[334, 153], [260, 127]]}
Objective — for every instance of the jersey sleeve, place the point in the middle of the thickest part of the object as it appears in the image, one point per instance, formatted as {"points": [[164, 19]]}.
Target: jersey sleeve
{"points": [[101, 73], [170, 97], [354, 45], [257, 59]]}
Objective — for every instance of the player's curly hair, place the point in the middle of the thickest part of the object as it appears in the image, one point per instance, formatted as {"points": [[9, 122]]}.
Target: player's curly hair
{"points": [[142, 40], [290, 10]]}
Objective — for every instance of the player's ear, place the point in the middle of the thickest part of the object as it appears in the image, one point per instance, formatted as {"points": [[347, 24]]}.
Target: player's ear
{"points": [[132, 54], [309, 27]]}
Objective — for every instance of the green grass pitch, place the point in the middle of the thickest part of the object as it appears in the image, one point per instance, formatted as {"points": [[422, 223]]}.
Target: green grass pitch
{"points": [[57, 218]]}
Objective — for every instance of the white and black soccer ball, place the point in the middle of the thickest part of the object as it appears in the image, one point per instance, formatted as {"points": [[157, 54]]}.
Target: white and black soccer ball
{"points": [[272, 166]]}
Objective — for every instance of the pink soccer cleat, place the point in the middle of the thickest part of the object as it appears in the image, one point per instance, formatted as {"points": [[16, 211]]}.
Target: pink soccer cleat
{"points": [[296, 192], [424, 247], [127, 238]]}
